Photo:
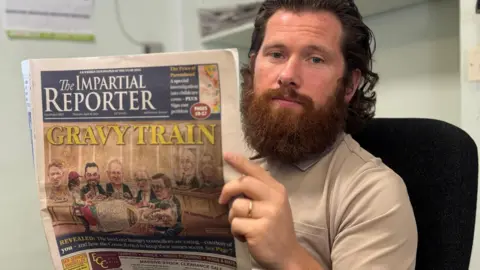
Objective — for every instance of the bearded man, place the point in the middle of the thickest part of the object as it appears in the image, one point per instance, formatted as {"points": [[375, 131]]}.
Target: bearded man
{"points": [[317, 200]]}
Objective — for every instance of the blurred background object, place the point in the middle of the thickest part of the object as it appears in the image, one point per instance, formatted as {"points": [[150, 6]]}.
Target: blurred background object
{"points": [[213, 20]]}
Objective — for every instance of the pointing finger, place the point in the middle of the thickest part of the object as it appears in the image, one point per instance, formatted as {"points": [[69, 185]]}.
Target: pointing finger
{"points": [[245, 185], [245, 166]]}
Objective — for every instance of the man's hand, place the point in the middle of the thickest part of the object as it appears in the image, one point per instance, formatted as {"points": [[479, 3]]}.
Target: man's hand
{"points": [[268, 227]]}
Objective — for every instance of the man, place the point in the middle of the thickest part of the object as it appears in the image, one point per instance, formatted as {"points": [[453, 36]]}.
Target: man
{"points": [[90, 193], [116, 188], [58, 190], [78, 205], [317, 200], [209, 175], [144, 194], [188, 173], [92, 189], [169, 204]]}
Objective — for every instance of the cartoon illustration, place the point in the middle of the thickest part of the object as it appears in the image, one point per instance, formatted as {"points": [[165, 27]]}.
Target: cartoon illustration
{"points": [[210, 87]]}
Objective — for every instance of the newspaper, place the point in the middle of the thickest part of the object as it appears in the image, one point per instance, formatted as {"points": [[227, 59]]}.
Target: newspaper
{"points": [[128, 159]]}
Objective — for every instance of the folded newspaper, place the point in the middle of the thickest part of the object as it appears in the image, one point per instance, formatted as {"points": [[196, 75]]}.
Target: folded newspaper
{"points": [[128, 159]]}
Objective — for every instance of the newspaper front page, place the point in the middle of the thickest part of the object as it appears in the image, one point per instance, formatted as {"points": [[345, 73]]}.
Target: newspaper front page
{"points": [[128, 154]]}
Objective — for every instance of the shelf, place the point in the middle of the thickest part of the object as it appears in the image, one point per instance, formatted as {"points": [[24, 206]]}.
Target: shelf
{"points": [[240, 36], [237, 37]]}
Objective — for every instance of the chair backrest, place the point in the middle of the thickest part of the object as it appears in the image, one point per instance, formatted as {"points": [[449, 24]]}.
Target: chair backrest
{"points": [[439, 164]]}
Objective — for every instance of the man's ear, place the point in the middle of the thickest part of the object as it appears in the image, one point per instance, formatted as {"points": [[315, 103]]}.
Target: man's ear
{"points": [[353, 86]]}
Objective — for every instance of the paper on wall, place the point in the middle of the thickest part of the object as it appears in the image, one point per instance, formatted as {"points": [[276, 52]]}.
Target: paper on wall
{"points": [[49, 19]]}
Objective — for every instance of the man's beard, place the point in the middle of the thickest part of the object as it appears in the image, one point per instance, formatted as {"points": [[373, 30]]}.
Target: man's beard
{"points": [[287, 135]]}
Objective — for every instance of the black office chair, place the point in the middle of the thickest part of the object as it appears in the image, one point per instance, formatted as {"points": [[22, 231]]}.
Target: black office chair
{"points": [[439, 164]]}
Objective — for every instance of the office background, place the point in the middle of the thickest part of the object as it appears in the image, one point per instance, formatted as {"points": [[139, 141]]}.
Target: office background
{"points": [[422, 58]]}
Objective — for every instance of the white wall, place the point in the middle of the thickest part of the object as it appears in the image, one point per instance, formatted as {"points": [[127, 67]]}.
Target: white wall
{"points": [[23, 244], [417, 59]]}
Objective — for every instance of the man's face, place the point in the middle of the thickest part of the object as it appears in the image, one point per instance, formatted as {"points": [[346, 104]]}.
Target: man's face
{"points": [[207, 166], [92, 176], [160, 189], [55, 175], [115, 173], [302, 50], [297, 102], [142, 181], [207, 159], [187, 162]]}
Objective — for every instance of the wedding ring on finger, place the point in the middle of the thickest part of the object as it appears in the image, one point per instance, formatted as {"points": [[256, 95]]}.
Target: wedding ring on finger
{"points": [[250, 209]]}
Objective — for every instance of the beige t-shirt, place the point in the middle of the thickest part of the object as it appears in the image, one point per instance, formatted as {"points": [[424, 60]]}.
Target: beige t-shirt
{"points": [[350, 211]]}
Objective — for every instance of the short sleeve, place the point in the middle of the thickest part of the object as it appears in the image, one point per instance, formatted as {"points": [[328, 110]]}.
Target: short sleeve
{"points": [[375, 223]]}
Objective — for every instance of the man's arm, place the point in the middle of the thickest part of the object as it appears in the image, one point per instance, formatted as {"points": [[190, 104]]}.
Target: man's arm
{"points": [[375, 221], [178, 205], [83, 191], [301, 260]]}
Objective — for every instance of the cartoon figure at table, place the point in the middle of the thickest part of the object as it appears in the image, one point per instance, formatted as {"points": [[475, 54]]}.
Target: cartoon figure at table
{"points": [[145, 193], [116, 189], [58, 191], [187, 177], [80, 208], [75, 188], [166, 217], [92, 191], [210, 176]]}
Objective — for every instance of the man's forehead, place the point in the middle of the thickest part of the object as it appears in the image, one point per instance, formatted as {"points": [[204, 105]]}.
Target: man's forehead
{"points": [[115, 164], [312, 18], [115, 167], [314, 24], [187, 154], [159, 181], [142, 175], [54, 168]]}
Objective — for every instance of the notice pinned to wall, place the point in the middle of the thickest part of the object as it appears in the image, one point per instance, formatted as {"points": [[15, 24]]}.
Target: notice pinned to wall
{"points": [[474, 64], [49, 19]]}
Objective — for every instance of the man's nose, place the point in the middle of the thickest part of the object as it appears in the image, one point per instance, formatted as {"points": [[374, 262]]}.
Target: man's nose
{"points": [[290, 74]]}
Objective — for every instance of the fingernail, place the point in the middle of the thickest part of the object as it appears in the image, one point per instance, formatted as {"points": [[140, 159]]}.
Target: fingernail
{"points": [[228, 156]]}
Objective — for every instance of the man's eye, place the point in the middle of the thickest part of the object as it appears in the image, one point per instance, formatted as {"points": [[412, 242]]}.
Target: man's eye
{"points": [[276, 54], [317, 60]]}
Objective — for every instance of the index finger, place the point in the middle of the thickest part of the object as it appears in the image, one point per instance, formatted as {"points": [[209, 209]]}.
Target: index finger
{"points": [[246, 167]]}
